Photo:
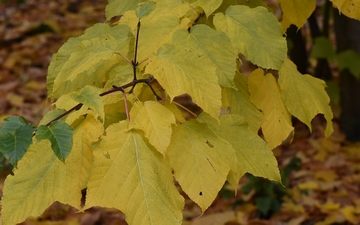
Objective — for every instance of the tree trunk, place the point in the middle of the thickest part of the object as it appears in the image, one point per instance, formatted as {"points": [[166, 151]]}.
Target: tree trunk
{"points": [[348, 37]]}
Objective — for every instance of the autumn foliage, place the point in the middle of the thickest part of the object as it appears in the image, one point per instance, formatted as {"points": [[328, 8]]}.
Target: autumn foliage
{"points": [[117, 130]]}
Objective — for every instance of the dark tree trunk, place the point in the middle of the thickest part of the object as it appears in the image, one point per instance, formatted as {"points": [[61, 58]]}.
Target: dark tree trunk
{"points": [[298, 52], [348, 37]]}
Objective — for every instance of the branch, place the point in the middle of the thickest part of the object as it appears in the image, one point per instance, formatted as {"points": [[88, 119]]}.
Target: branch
{"points": [[114, 89]]}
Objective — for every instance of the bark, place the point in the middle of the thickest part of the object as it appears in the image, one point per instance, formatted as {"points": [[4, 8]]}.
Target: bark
{"points": [[348, 37]]}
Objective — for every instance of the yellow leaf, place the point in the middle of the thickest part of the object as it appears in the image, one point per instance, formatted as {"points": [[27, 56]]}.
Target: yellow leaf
{"points": [[296, 12], [256, 33], [292, 207], [41, 178], [197, 156], [350, 8], [209, 6], [308, 185], [216, 46], [252, 153], [180, 70], [151, 35], [88, 55], [265, 94], [89, 97], [239, 103], [329, 206], [349, 213], [121, 34], [175, 110], [130, 175], [326, 175], [155, 120], [304, 95]]}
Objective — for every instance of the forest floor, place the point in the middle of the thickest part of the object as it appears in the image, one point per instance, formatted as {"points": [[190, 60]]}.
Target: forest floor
{"points": [[321, 176]]}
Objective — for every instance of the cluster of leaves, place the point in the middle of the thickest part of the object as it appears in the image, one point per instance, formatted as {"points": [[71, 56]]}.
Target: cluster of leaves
{"points": [[126, 149], [323, 189]]}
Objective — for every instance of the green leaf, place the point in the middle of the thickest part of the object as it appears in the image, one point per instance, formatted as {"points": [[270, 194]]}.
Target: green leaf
{"points": [[254, 32], [60, 136], [42, 179], [239, 103], [15, 138], [130, 175], [296, 12], [118, 8], [323, 48], [350, 8], [349, 60], [95, 75], [89, 54], [155, 120], [12, 123], [180, 70], [304, 96], [145, 9], [200, 161], [14, 145], [252, 153], [216, 46], [89, 97], [265, 94]]}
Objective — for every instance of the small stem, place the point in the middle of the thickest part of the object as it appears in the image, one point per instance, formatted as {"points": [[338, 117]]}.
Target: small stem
{"points": [[143, 61], [126, 107], [136, 42], [112, 90], [77, 107], [118, 53], [183, 107]]}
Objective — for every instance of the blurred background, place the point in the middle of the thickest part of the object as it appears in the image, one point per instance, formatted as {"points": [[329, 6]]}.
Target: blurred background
{"points": [[321, 176]]}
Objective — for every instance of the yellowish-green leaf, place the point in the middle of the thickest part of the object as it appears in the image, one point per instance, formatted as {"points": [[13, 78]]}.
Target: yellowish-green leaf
{"points": [[253, 154], [216, 46], [50, 115], [209, 6], [89, 54], [155, 120], [175, 110], [304, 95], [200, 161], [89, 97], [296, 12], [180, 70], [41, 178], [265, 94], [152, 36], [121, 35], [256, 33], [351, 8], [145, 9], [239, 103], [119, 75], [158, 27], [130, 175], [252, 3], [117, 8]]}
